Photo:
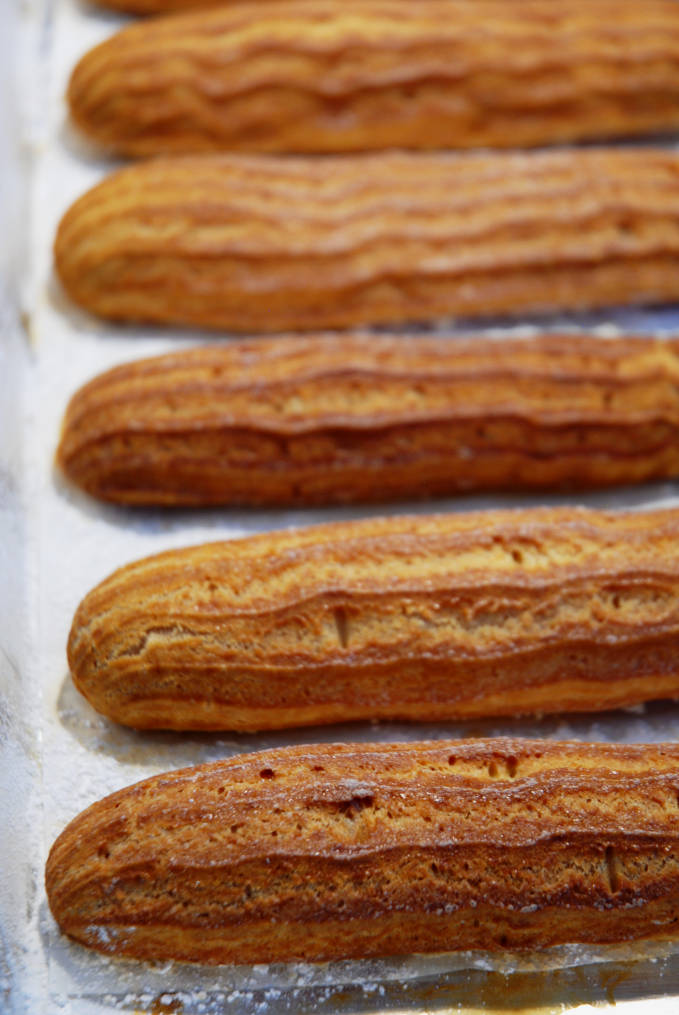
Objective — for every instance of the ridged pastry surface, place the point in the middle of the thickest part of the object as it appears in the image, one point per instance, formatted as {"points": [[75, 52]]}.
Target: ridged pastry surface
{"points": [[347, 851], [267, 244], [419, 618], [373, 74], [324, 419]]}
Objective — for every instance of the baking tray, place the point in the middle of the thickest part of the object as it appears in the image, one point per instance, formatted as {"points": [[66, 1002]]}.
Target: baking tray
{"points": [[58, 755]]}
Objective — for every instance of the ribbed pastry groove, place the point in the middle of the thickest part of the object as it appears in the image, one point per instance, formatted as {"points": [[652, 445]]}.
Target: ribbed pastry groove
{"points": [[420, 618], [366, 417], [353, 850], [266, 244], [373, 74]]}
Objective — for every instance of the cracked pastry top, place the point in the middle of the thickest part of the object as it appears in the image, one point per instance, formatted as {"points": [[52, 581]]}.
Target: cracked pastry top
{"points": [[417, 618], [356, 850]]}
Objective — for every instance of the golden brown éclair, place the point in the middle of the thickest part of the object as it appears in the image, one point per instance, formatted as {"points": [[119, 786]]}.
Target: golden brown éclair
{"points": [[418, 618], [264, 244], [358, 417], [361, 75], [356, 850]]}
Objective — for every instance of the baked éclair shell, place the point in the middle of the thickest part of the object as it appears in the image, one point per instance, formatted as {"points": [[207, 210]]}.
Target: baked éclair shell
{"points": [[457, 616], [263, 244], [357, 850], [357, 417], [376, 74]]}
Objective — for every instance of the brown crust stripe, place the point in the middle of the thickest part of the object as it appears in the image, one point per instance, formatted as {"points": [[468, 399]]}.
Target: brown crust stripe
{"points": [[377, 74], [267, 244], [367, 417], [422, 618], [346, 851]]}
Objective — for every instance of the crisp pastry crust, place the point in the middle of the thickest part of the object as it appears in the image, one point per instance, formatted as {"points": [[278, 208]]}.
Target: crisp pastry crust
{"points": [[372, 74], [416, 618], [324, 419], [270, 244], [354, 850]]}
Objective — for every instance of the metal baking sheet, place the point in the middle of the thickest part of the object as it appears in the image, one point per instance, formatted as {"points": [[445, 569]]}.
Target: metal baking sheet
{"points": [[58, 755]]}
